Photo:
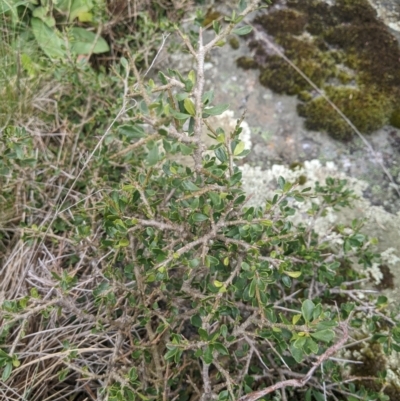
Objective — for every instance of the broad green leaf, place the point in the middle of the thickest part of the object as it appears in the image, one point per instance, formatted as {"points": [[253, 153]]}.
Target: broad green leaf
{"points": [[287, 282], [85, 42], [252, 288], [186, 150], [218, 284], [207, 355], [297, 353], [216, 110], [310, 347], [47, 39], [300, 342], [324, 335], [242, 5], [239, 148], [190, 186], [216, 26], [244, 30], [198, 217], [307, 309], [124, 242], [131, 131], [163, 78], [74, 8], [221, 348], [293, 274], [211, 261], [281, 182], [43, 14], [85, 17], [178, 115], [207, 97], [153, 156], [215, 199], [7, 371], [192, 76], [196, 320], [221, 154], [133, 374], [295, 319], [189, 106]]}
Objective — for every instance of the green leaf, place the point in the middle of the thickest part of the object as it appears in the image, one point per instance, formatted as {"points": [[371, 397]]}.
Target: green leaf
{"points": [[153, 156], [207, 355], [239, 148], [196, 320], [86, 42], [307, 309], [221, 348], [211, 261], [287, 282], [192, 76], [131, 131], [62, 374], [324, 335], [194, 263], [215, 111], [198, 217], [252, 288], [293, 274], [216, 26], [186, 150], [190, 186], [133, 374], [311, 347], [281, 182], [215, 199], [163, 78], [221, 154], [242, 5], [47, 39], [297, 353], [74, 8], [7, 371], [189, 106], [177, 115], [42, 13], [244, 30]]}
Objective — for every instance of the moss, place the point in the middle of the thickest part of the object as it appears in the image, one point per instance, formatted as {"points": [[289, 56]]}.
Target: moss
{"points": [[367, 109], [246, 63], [283, 21], [387, 281], [211, 16], [354, 11], [348, 33], [304, 96], [279, 76], [344, 77], [318, 13], [373, 362], [302, 180], [234, 42], [395, 118]]}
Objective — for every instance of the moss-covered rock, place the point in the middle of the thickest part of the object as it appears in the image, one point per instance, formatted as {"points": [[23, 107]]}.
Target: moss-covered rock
{"points": [[395, 118], [279, 76], [283, 21], [234, 42], [367, 109], [246, 63], [349, 46]]}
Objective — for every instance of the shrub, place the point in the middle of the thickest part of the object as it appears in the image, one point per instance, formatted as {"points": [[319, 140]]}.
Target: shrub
{"points": [[192, 294]]}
